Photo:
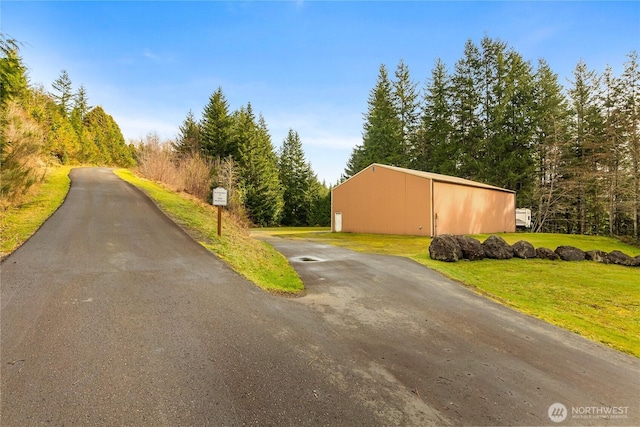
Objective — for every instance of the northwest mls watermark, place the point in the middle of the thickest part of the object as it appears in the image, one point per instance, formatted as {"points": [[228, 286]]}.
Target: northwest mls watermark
{"points": [[558, 412]]}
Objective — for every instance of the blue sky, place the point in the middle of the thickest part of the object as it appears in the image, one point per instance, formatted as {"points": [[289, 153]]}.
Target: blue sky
{"points": [[304, 65]]}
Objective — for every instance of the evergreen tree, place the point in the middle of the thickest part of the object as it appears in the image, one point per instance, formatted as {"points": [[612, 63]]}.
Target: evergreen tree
{"points": [[189, 136], [104, 143], [95, 147], [508, 161], [81, 102], [296, 178], [613, 157], [357, 162], [320, 212], [550, 140], [630, 108], [259, 170], [492, 72], [382, 136], [305, 198], [216, 129], [80, 109], [491, 112], [434, 150], [468, 133], [406, 102], [63, 92], [61, 138], [586, 128], [13, 73]]}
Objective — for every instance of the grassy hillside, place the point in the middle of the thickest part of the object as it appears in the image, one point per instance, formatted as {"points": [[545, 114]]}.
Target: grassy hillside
{"points": [[598, 301], [19, 222]]}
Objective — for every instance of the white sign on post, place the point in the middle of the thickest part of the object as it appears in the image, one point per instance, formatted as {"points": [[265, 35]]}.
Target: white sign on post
{"points": [[219, 196]]}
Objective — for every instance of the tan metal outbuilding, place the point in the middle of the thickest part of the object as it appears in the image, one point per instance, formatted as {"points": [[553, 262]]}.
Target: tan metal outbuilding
{"points": [[390, 200]]}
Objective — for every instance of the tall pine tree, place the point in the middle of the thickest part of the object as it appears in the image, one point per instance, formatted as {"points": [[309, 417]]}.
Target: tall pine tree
{"points": [[613, 156], [382, 135], [260, 184], [407, 105], [468, 133], [631, 114], [63, 92], [296, 179], [216, 138], [189, 142], [435, 150], [586, 127], [508, 149], [550, 140], [13, 73], [105, 140]]}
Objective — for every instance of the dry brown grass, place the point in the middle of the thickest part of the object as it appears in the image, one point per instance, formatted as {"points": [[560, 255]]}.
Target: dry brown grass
{"points": [[22, 146], [156, 161], [191, 174], [194, 175]]}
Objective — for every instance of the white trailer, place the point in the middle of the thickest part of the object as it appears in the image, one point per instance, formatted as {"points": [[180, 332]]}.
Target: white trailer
{"points": [[523, 218]]}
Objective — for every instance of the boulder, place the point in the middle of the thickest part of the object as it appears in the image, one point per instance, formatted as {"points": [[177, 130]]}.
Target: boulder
{"points": [[619, 258], [495, 247], [471, 248], [545, 253], [445, 248], [637, 258], [523, 249], [570, 253], [596, 255]]}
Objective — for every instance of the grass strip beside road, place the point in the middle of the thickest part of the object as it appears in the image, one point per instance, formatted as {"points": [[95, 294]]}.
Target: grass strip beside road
{"points": [[20, 222], [255, 260], [600, 302]]}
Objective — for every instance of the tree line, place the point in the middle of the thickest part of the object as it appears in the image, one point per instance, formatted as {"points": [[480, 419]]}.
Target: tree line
{"points": [[38, 127], [571, 153], [265, 185]]}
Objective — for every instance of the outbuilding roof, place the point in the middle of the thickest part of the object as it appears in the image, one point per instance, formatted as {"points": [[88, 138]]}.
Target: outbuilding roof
{"points": [[433, 176]]}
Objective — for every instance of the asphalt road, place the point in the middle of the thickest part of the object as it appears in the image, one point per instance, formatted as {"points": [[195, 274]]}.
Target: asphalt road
{"points": [[112, 315]]}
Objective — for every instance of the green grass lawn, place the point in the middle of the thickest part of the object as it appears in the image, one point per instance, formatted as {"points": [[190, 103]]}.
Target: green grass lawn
{"points": [[255, 260], [598, 301], [18, 223]]}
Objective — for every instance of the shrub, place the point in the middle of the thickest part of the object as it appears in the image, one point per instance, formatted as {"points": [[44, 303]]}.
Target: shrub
{"points": [[194, 175], [156, 161], [21, 142]]}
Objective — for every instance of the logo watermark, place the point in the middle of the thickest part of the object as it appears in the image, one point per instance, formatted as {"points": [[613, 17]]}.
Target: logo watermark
{"points": [[558, 412]]}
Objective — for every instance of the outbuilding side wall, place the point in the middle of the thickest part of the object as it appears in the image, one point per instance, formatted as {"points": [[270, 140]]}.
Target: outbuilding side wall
{"points": [[470, 210]]}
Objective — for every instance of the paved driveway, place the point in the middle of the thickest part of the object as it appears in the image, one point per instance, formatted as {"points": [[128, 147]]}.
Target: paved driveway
{"points": [[111, 315], [475, 361]]}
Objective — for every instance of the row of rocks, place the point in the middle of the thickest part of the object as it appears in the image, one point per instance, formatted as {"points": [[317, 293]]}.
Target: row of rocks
{"points": [[450, 248]]}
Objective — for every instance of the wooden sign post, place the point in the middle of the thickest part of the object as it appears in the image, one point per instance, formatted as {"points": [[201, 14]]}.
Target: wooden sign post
{"points": [[219, 200]]}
